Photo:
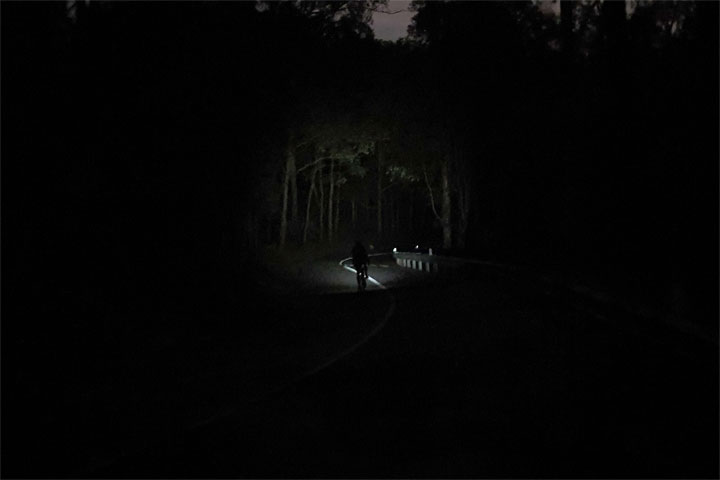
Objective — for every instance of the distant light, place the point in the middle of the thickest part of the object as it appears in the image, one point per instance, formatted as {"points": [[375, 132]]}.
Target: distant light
{"points": [[394, 249], [417, 246]]}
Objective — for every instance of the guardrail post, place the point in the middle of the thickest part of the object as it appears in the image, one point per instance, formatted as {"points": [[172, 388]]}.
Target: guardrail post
{"points": [[447, 267]]}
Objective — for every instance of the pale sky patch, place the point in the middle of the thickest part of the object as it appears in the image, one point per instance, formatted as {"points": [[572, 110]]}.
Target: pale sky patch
{"points": [[549, 7], [392, 27]]}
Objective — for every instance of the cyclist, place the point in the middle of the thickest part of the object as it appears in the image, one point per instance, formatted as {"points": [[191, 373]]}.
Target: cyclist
{"points": [[360, 263]]}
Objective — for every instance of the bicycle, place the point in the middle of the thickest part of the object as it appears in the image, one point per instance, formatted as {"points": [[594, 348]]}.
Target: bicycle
{"points": [[362, 275]]}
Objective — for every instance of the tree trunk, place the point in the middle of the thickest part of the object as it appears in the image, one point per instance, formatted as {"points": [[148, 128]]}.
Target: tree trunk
{"points": [[379, 189], [293, 189], [307, 208], [289, 160], [337, 210], [446, 219], [462, 189], [322, 203], [330, 200]]}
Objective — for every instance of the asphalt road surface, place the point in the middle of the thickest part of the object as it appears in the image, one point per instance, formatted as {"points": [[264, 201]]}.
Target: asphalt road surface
{"points": [[487, 375]]}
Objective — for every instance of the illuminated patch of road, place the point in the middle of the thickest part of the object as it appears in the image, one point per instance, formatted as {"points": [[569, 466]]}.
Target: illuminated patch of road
{"points": [[350, 269]]}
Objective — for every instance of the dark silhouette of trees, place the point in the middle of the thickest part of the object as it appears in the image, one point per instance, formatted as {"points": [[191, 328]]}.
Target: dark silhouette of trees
{"points": [[217, 129], [569, 120], [152, 151]]}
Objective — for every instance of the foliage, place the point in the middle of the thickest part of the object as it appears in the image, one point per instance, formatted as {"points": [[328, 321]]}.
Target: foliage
{"points": [[570, 136]]}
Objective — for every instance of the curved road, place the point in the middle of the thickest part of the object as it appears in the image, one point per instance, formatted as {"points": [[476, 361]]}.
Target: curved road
{"points": [[487, 376]]}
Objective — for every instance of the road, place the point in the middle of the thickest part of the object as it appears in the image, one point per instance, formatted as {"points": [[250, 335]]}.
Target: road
{"points": [[484, 376], [334, 274]]}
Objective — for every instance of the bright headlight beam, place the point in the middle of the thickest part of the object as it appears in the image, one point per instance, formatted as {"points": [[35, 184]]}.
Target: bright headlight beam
{"points": [[371, 279]]}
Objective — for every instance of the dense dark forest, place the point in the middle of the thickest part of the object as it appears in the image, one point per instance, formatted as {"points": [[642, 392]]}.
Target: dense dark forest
{"points": [[148, 143], [155, 155]]}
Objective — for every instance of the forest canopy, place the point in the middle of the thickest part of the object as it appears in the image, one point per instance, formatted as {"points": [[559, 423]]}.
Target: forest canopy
{"points": [[572, 132]]}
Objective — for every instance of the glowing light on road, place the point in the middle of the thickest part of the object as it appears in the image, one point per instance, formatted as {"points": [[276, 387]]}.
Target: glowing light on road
{"points": [[350, 269]]}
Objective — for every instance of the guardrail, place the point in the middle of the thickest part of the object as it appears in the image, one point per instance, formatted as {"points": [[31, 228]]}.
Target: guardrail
{"points": [[427, 262]]}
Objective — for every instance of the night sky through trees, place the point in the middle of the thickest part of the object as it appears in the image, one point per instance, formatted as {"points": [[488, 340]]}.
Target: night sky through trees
{"points": [[183, 183], [391, 23]]}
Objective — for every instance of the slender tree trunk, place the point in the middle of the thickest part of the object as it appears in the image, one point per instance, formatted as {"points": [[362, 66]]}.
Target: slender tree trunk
{"points": [[379, 189], [460, 181], [307, 208], [337, 210], [322, 203], [289, 159], [331, 190], [432, 198], [293, 189], [446, 206]]}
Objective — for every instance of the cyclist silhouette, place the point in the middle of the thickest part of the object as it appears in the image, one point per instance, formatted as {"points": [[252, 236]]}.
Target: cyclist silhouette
{"points": [[360, 263]]}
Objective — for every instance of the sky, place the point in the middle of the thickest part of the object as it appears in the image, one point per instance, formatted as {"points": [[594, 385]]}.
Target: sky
{"points": [[549, 7], [392, 27]]}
